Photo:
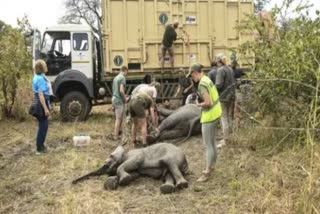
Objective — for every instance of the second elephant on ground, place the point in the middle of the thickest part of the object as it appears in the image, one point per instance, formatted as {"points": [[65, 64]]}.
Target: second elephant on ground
{"points": [[161, 160], [182, 122]]}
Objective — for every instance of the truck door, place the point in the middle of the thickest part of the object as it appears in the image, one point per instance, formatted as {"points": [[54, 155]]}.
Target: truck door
{"points": [[55, 50], [81, 53]]}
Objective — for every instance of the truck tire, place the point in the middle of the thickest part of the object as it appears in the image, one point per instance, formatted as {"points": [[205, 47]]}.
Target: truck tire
{"points": [[74, 106], [89, 108]]}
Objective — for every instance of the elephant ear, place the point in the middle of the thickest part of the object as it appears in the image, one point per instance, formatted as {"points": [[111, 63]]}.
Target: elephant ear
{"points": [[117, 154]]}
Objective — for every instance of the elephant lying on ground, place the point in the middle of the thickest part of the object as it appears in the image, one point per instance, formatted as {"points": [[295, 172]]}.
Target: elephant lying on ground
{"points": [[182, 122], [161, 160]]}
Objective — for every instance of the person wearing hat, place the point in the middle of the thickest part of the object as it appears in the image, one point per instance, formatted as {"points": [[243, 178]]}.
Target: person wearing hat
{"points": [[226, 85], [169, 36], [140, 105], [152, 90], [210, 113]]}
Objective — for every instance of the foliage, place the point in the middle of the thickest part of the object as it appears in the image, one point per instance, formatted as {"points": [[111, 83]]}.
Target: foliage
{"points": [[83, 10], [26, 29], [260, 4], [286, 62], [15, 63]]}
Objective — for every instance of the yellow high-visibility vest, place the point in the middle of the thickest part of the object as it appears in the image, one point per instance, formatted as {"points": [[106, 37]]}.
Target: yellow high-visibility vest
{"points": [[215, 111]]}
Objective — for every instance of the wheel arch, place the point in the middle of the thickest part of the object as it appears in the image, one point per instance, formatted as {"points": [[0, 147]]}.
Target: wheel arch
{"points": [[72, 80]]}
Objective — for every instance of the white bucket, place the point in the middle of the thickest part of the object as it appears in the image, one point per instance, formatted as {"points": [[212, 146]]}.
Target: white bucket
{"points": [[81, 140]]}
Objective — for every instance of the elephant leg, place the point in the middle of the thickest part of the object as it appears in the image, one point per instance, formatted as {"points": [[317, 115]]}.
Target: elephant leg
{"points": [[173, 134], [167, 123], [181, 182], [111, 183], [165, 112], [122, 172], [168, 185]]}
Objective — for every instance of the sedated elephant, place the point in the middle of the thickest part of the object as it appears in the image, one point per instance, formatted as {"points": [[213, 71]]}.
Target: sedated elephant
{"points": [[182, 122], [161, 160]]}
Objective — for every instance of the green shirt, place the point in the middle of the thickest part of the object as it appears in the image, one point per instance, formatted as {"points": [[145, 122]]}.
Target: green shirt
{"points": [[169, 36], [117, 99]]}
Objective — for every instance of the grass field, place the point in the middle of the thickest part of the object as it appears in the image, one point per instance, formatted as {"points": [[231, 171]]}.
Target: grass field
{"points": [[250, 176]]}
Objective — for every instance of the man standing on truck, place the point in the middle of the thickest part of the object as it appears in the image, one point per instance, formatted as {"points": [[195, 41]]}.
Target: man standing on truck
{"points": [[169, 36], [119, 99]]}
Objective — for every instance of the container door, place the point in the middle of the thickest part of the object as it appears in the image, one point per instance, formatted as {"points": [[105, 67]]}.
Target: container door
{"points": [[81, 53]]}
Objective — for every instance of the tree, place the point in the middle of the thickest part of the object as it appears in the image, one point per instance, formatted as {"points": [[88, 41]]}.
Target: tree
{"points": [[289, 68], [14, 64], [83, 10], [26, 29], [260, 4]]}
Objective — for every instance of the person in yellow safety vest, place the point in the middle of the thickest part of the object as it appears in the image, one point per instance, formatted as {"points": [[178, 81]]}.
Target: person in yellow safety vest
{"points": [[210, 113]]}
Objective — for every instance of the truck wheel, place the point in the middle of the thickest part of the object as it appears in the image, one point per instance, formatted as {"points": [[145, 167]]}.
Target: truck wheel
{"points": [[74, 106], [89, 108]]}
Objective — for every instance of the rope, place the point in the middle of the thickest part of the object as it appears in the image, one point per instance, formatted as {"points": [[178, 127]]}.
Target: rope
{"points": [[188, 45], [280, 79]]}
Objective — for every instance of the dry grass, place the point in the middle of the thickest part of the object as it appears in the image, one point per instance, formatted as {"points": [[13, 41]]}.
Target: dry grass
{"points": [[248, 178]]}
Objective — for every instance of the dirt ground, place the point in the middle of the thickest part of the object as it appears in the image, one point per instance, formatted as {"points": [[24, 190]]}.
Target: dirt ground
{"points": [[248, 177]]}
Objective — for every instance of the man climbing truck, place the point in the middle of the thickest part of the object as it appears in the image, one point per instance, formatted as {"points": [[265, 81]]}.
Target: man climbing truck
{"points": [[169, 36], [81, 65]]}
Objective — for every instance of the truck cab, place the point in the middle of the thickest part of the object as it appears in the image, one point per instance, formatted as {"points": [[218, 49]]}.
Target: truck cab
{"points": [[70, 52]]}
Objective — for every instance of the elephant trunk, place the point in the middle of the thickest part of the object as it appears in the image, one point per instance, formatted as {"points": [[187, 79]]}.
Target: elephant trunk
{"points": [[101, 171]]}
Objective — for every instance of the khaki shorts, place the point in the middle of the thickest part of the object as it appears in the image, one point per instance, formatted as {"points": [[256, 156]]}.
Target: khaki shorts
{"points": [[136, 108], [164, 49], [119, 111]]}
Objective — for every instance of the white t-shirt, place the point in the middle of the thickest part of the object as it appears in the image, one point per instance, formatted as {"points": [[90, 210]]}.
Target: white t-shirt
{"points": [[150, 90], [192, 99]]}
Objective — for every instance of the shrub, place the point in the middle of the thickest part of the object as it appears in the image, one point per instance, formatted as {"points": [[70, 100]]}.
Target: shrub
{"points": [[15, 64]]}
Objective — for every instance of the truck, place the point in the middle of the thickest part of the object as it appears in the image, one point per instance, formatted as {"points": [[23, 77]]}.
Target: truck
{"points": [[82, 65]]}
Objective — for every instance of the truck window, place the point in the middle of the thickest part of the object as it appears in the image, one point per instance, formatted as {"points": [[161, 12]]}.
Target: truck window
{"points": [[63, 46], [56, 51], [56, 41], [80, 42], [47, 43]]}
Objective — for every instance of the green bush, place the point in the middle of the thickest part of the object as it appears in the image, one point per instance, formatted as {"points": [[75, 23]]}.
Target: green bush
{"points": [[286, 69], [15, 64], [23, 99]]}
